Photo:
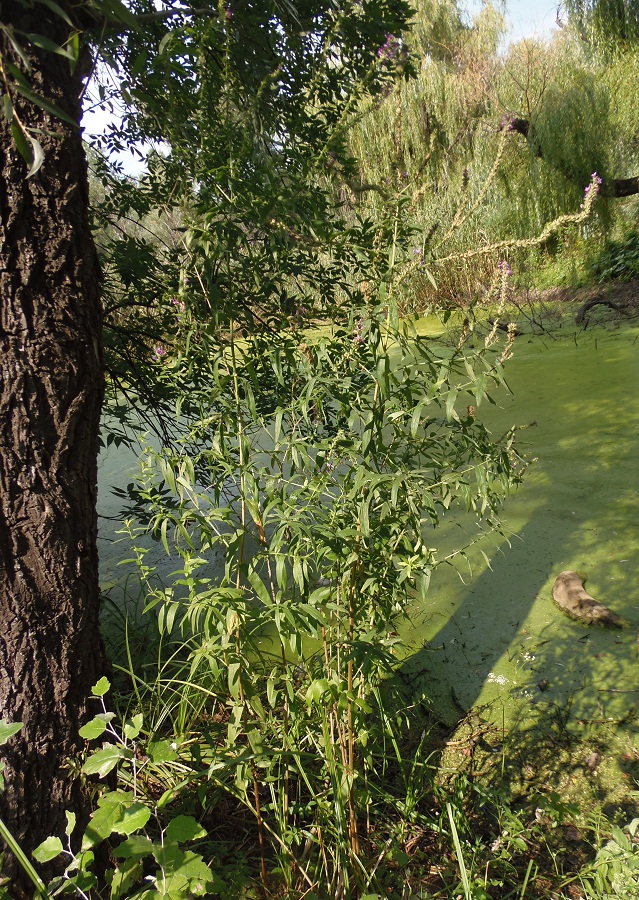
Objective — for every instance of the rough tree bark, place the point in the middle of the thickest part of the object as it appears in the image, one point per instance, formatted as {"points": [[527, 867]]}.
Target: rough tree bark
{"points": [[51, 387]]}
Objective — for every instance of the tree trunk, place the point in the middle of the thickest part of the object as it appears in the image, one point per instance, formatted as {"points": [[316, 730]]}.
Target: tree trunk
{"points": [[51, 387]]}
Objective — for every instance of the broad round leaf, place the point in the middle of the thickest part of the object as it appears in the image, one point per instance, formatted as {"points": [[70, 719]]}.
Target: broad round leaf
{"points": [[102, 761], [101, 688], [96, 726], [132, 727], [118, 813], [48, 850], [162, 751], [184, 828]]}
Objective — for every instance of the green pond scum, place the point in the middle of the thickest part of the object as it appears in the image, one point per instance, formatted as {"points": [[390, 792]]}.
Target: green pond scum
{"points": [[489, 633]]}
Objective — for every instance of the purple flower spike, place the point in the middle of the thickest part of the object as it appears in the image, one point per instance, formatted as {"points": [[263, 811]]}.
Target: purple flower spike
{"points": [[595, 184], [160, 351], [505, 268], [507, 122], [391, 49]]}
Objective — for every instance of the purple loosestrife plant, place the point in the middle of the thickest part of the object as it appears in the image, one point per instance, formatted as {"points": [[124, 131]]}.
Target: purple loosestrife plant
{"points": [[595, 183], [392, 50]]}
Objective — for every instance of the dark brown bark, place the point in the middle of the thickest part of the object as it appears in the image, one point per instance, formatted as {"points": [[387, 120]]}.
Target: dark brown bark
{"points": [[51, 387], [594, 301], [614, 188]]}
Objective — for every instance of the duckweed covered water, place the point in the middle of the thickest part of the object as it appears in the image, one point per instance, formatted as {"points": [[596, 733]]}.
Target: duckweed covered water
{"points": [[493, 636]]}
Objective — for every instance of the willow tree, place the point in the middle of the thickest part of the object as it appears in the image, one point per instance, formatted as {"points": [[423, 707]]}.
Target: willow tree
{"points": [[495, 145], [608, 24]]}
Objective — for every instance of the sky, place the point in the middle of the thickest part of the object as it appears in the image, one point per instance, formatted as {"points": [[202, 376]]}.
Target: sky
{"points": [[525, 18], [531, 18]]}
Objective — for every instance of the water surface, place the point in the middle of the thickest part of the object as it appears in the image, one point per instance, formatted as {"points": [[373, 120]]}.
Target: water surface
{"points": [[493, 636]]}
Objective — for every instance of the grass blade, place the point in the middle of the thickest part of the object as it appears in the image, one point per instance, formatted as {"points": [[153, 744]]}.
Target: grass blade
{"points": [[458, 851]]}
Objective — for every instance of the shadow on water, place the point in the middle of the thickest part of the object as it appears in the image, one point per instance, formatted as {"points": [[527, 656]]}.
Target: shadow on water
{"points": [[496, 638]]}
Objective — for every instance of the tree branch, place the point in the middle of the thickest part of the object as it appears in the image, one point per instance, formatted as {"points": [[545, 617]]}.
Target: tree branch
{"points": [[613, 189]]}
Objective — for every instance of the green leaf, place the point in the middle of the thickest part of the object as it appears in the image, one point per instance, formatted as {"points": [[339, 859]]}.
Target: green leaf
{"points": [[621, 839], [53, 6], [8, 107], [259, 587], [168, 474], [71, 818], [101, 688], [45, 43], [184, 828], [23, 860], [271, 692], [164, 42], [124, 878], [46, 105], [168, 856], [48, 850], [85, 860], [9, 34], [429, 275], [21, 141], [383, 375], [193, 866], [234, 672], [96, 726], [103, 761], [393, 313], [117, 812], [450, 404], [255, 740], [298, 573], [316, 690], [135, 847], [162, 751], [363, 518], [132, 727], [8, 729], [165, 543], [114, 9]]}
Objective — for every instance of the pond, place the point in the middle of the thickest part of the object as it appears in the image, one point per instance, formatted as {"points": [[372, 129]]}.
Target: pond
{"points": [[492, 636]]}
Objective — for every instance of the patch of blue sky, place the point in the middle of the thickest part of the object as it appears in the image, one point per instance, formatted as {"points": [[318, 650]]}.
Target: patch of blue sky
{"points": [[525, 18]]}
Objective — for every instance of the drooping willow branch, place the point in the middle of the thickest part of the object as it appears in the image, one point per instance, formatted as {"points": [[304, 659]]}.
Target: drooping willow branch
{"points": [[614, 188]]}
